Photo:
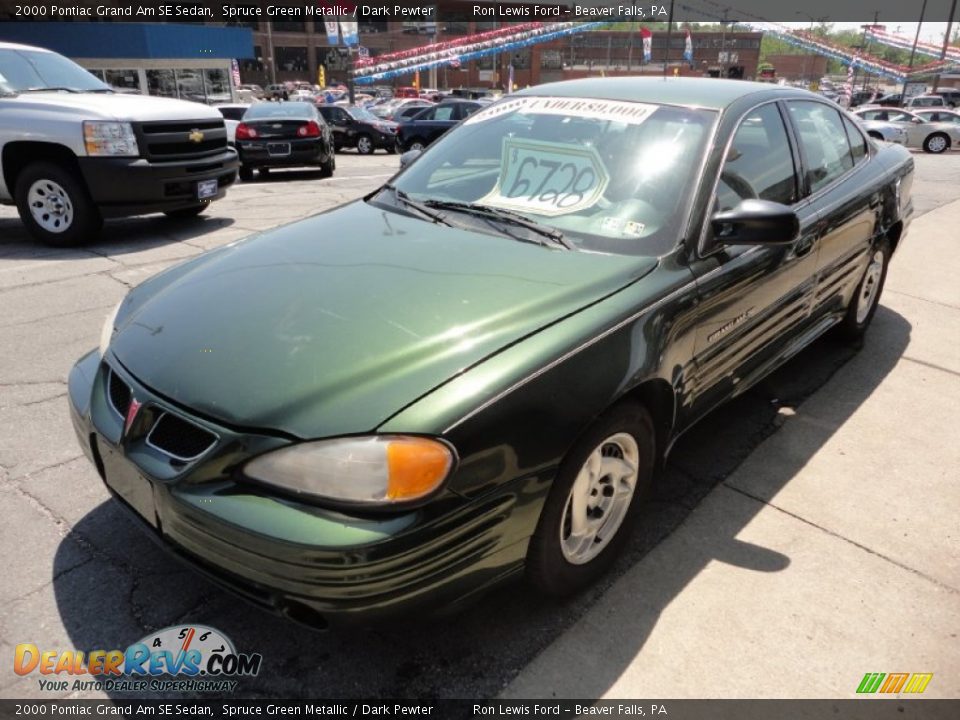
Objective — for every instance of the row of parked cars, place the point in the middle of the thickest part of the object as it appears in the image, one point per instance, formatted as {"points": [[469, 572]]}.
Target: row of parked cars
{"points": [[931, 130], [293, 133]]}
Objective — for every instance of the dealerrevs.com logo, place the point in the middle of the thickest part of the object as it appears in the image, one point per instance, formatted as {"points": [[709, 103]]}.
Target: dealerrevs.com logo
{"points": [[178, 658]]}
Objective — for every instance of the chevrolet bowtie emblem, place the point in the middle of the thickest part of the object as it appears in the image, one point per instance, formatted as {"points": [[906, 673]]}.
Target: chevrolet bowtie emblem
{"points": [[132, 411], [195, 136]]}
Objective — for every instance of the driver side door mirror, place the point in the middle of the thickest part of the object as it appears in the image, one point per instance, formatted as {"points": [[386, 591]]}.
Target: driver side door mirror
{"points": [[755, 222]]}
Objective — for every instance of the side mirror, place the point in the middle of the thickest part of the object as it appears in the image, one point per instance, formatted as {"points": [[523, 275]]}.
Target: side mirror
{"points": [[756, 222], [916, 121], [409, 156]]}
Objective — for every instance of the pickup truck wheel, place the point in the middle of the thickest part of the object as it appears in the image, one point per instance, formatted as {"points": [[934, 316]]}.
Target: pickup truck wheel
{"points": [[594, 501], [186, 213], [55, 206]]}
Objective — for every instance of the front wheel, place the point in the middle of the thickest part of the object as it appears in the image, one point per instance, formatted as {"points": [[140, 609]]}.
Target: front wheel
{"points": [[590, 511], [246, 173], [936, 143], [863, 306], [365, 145], [416, 144], [54, 205]]}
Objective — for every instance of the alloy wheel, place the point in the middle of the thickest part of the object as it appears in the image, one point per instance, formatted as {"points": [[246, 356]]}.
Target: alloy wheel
{"points": [[870, 286], [599, 499]]}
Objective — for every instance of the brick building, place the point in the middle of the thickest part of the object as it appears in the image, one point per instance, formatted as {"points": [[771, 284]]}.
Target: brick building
{"points": [[799, 67]]}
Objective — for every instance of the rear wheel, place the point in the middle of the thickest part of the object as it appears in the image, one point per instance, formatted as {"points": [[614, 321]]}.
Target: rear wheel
{"points": [[936, 143], [867, 296], [55, 206], [246, 174], [329, 165], [593, 504]]}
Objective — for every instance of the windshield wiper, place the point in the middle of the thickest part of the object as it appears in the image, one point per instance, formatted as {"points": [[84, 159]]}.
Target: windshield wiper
{"points": [[51, 89], [101, 90], [508, 216], [409, 202]]}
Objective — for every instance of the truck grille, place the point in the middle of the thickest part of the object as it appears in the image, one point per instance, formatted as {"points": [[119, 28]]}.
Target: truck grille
{"points": [[186, 140]]}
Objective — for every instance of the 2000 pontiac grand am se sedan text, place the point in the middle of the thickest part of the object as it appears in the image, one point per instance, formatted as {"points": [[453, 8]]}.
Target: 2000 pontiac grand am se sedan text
{"points": [[474, 371]]}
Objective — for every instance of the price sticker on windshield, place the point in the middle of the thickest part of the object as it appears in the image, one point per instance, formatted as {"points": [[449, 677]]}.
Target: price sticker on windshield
{"points": [[548, 178]]}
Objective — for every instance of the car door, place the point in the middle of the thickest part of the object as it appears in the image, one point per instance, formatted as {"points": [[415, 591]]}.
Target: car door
{"points": [[845, 193], [442, 118], [753, 299]]}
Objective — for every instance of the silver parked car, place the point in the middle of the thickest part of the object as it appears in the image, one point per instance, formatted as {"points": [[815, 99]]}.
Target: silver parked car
{"points": [[932, 137]]}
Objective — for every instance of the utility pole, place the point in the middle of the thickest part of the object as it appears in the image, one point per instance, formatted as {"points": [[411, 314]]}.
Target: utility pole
{"points": [[270, 58], [723, 45], [913, 51], [666, 55], [946, 41]]}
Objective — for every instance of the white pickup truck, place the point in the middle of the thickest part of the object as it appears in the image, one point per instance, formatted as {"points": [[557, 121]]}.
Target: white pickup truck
{"points": [[72, 151]]}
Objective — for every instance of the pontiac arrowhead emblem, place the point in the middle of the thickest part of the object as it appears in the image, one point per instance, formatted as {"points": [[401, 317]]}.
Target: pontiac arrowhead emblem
{"points": [[132, 411], [195, 136]]}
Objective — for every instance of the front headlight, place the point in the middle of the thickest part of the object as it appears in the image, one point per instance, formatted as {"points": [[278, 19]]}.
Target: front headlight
{"points": [[376, 470], [110, 138], [106, 333]]}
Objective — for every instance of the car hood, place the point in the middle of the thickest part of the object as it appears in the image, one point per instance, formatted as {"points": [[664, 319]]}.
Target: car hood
{"points": [[114, 106], [333, 324]]}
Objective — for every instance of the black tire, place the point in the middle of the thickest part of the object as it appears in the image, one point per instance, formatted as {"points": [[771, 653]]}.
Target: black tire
{"points": [[82, 220], [365, 145], [548, 569], [415, 141], [264, 173], [186, 213], [392, 149], [854, 324], [329, 165], [246, 173], [936, 143]]}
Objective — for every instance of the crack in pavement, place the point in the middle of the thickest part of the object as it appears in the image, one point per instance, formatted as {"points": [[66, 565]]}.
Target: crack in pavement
{"points": [[932, 366], [33, 402], [922, 299], [832, 533]]}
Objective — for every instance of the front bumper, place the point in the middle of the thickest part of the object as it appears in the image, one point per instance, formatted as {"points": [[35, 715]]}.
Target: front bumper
{"points": [[135, 186], [314, 565]]}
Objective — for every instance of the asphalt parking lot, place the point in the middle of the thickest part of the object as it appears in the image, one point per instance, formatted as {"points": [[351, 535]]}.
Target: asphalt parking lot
{"points": [[83, 576]]}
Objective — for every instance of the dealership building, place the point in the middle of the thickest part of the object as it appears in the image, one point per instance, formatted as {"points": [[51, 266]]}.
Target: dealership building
{"points": [[187, 61]]}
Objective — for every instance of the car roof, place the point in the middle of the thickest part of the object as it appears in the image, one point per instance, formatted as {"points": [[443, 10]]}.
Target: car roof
{"points": [[693, 92], [17, 46]]}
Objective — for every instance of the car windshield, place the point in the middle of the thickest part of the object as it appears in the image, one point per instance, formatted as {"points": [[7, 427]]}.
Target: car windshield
{"points": [[23, 70], [296, 110], [358, 113], [611, 176]]}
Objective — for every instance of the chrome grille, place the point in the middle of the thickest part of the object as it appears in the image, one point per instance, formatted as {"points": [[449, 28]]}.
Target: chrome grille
{"points": [[179, 438], [171, 140]]}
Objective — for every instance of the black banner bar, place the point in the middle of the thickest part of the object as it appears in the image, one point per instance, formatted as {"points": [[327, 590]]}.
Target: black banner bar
{"points": [[872, 708], [240, 11]]}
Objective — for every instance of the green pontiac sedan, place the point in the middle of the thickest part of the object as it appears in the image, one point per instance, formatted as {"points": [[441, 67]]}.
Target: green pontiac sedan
{"points": [[474, 372]]}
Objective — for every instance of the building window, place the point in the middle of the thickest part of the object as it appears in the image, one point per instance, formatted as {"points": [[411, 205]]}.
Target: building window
{"points": [[291, 59], [217, 85], [162, 83], [122, 79], [335, 60], [254, 64], [98, 74], [190, 85], [373, 26], [520, 59], [456, 27]]}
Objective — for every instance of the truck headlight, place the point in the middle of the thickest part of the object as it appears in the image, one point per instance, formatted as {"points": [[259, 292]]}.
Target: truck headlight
{"points": [[114, 139], [364, 471], [106, 333]]}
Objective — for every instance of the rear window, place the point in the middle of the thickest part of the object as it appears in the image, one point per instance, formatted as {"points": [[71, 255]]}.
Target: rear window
{"points": [[295, 110]]}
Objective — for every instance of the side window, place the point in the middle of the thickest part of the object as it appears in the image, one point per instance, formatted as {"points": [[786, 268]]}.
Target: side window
{"points": [[443, 112], [857, 144], [759, 163], [428, 115], [823, 140]]}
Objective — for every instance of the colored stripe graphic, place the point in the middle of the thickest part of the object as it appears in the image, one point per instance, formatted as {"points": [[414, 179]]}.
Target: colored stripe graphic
{"points": [[918, 683], [894, 682], [870, 682]]}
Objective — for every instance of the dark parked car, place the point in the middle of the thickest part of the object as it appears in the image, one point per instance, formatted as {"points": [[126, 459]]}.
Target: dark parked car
{"points": [[356, 127], [474, 372], [891, 100], [425, 127], [284, 134]]}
